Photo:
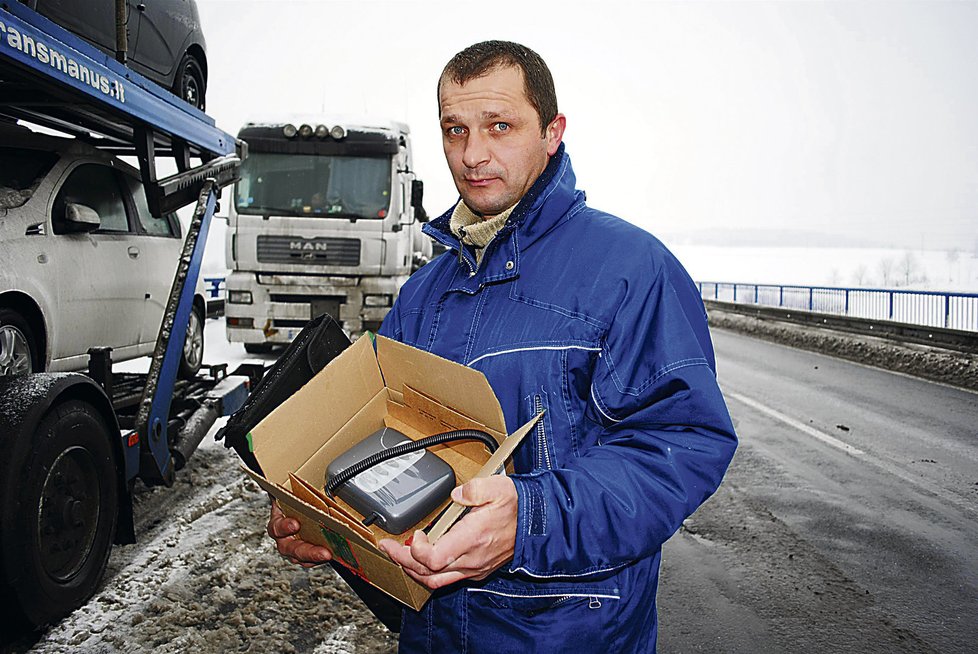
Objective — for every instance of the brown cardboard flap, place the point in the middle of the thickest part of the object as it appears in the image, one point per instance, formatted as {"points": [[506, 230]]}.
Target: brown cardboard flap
{"points": [[444, 417], [366, 421], [495, 463], [448, 383], [314, 497], [310, 518], [390, 578], [416, 425], [295, 429]]}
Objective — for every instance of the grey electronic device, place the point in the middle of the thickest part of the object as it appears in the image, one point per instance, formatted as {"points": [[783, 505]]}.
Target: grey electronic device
{"points": [[398, 493]]}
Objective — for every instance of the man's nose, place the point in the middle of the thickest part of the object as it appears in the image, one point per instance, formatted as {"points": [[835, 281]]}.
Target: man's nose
{"points": [[476, 150]]}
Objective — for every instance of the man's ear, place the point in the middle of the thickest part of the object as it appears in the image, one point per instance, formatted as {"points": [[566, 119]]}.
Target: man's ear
{"points": [[555, 133]]}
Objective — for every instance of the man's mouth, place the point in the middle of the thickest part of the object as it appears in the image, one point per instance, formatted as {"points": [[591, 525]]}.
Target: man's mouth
{"points": [[479, 182]]}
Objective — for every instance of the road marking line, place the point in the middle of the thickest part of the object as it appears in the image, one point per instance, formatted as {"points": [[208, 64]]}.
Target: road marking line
{"points": [[913, 478], [811, 431]]}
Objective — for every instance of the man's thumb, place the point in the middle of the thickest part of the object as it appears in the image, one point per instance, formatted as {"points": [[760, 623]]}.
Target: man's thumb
{"points": [[471, 493]]}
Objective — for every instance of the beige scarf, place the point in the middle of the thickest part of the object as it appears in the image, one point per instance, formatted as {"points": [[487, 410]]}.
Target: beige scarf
{"points": [[472, 229]]}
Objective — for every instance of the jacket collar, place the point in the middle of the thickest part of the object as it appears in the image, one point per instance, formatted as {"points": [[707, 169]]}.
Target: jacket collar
{"points": [[543, 207]]}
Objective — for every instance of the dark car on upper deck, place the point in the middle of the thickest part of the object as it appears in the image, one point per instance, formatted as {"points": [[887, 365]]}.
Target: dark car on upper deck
{"points": [[165, 41]]}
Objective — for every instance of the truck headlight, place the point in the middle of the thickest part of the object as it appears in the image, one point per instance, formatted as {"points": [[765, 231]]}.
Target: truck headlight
{"points": [[239, 297], [377, 300]]}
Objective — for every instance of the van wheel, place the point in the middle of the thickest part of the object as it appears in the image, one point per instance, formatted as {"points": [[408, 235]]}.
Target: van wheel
{"points": [[59, 514], [193, 345], [18, 351]]}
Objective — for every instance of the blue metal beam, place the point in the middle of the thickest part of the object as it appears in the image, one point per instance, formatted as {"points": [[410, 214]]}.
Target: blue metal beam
{"points": [[31, 42]]}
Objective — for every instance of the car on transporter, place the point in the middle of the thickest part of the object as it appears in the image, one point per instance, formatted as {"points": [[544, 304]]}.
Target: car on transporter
{"points": [[165, 40], [85, 263]]}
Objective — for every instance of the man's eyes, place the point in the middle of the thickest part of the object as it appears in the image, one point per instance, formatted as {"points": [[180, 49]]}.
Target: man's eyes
{"points": [[458, 130]]}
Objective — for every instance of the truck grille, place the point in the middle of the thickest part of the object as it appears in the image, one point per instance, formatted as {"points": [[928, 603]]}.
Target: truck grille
{"points": [[322, 251]]}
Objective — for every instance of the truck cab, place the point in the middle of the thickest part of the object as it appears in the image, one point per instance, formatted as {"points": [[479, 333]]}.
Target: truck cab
{"points": [[326, 218]]}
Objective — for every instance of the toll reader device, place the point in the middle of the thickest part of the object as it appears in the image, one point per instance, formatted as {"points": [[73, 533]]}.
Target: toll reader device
{"points": [[394, 481]]}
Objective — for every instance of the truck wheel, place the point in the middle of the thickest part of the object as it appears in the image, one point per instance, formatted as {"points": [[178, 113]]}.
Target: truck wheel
{"points": [[18, 351], [258, 348], [193, 346], [60, 514]]}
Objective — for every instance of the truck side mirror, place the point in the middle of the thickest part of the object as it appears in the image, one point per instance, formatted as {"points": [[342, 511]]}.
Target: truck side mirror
{"points": [[417, 194], [81, 218]]}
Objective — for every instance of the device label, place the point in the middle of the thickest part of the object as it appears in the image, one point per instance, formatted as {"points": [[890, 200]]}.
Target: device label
{"points": [[375, 478]]}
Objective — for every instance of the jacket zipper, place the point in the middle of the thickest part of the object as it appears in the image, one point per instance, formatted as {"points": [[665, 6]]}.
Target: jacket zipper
{"points": [[461, 251], [543, 450]]}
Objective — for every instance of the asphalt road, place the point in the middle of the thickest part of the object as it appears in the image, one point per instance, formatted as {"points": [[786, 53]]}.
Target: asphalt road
{"points": [[848, 520]]}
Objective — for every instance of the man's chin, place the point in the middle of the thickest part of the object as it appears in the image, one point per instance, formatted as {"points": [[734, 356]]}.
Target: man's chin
{"points": [[486, 208]]}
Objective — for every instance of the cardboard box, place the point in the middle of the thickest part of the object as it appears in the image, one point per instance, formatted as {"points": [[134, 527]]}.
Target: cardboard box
{"points": [[359, 392]]}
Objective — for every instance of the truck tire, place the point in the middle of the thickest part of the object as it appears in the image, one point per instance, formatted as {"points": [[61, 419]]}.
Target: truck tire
{"points": [[59, 514], [18, 350], [193, 346]]}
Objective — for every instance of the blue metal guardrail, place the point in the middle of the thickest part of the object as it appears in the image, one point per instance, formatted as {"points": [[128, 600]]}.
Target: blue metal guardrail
{"points": [[928, 308]]}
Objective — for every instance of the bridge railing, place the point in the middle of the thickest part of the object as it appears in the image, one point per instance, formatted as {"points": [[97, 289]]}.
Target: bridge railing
{"points": [[928, 308]]}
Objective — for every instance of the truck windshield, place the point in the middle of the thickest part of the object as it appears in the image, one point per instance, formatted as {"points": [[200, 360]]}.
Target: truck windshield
{"points": [[21, 170], [314, 185]]}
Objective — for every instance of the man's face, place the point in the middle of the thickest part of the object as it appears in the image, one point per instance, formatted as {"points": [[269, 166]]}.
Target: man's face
{"points": [[491, 135]]}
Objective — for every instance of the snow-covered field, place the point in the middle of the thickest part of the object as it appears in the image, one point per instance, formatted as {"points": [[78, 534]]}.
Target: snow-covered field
{"points": [[934, 270]]}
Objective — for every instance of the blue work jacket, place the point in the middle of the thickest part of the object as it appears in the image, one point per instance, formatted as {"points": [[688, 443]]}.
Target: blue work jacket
{"points": [[586, 316]]}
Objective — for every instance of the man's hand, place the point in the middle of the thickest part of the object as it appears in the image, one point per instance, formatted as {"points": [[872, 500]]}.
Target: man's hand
{"points": [[293, 548], [476, 545]]}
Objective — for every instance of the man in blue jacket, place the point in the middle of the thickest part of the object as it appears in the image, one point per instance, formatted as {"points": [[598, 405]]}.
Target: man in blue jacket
{"points": [[572, 311]]}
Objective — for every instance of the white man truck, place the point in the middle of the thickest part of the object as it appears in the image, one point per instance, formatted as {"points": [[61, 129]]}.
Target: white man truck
{"points": [[325, 219]]}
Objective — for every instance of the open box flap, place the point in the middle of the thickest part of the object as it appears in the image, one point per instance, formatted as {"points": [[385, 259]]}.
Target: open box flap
{"points": [[295, 429], [491, 467], [463, 389]]}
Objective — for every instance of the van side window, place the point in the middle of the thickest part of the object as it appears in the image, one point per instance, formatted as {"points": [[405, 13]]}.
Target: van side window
{"points": [[151, 224], [96, 187]]}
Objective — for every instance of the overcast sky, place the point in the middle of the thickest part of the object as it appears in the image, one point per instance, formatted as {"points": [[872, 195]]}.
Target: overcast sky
{"points": [[855, 119]]}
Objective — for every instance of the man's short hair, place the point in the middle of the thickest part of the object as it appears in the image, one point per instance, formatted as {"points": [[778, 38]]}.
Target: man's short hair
{"points": [[480, 59]]}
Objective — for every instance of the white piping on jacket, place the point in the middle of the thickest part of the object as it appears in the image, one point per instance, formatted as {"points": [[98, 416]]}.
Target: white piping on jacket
{"points": [[531, 349], [496, 592]]}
